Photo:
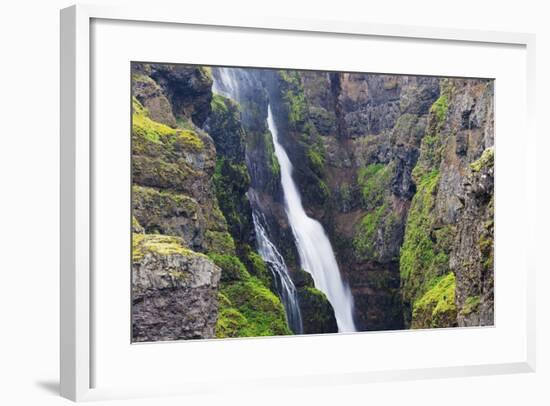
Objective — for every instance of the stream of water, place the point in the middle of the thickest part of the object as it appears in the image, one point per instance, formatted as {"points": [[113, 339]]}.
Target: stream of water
{"points": [[314, 248], [226, 84]]}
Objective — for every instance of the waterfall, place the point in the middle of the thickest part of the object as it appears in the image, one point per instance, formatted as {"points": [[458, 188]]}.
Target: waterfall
{"points": [[314, 248], [283, 284], [226, 85]]}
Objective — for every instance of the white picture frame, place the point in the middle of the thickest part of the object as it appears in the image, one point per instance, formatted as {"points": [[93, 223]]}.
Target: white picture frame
{"points": [[77, 324]]}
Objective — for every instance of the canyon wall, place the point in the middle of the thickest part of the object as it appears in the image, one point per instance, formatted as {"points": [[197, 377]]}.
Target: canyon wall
{"points": [[398, 169]]}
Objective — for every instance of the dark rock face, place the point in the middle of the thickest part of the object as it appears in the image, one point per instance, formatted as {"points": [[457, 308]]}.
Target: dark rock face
{"points": [[172, 169], [378, 122], [176, 214], [444, 271], [174, 291], [187, 87], [317, 312], [232, 179], [472, 256], [171, 214], [225, 127], [151, 97]]}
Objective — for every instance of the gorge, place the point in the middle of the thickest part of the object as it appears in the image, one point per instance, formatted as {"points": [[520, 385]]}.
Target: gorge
{"points": [[274, 202]]}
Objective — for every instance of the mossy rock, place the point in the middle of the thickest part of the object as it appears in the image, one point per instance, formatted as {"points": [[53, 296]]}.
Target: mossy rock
{"points": [[170, 213], [255, 265], [317, 312], [136, 227], [487, 160], [231, 183], [162, 245], [293, 97], [436, 308], [150, 95], [420, 258], [145, 128], [219, 242], [375, 183], [224, 126], [471, 305], [157, 172], [232, 267], [247, 308]]}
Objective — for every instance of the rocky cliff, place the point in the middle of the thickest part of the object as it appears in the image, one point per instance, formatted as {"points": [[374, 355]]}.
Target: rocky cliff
{"points": [[195, 274], [384, 162], [398, 169]]}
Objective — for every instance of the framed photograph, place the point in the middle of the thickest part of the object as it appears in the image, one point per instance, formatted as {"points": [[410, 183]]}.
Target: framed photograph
{"points": [[277, 202]]}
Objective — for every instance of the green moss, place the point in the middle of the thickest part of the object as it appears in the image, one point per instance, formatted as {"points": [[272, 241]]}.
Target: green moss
{"points": [[219, 242], [441, 107], [316, 160], [155, 171], [218, 104], [424, 255], [486, 245], [272, 160], [145, 128], [231, 322], [323, 191], [374, 181], [143, 79], [256, 265], [436, 308], [471, 305], [417, 251], [317, 313], [379, 223], [159, 245], [486, 160], [365, 239], [184, 123], [137, 252], [431, 148], [153, 206], [206, 72], [294, 97], [231, 182], [249, 309], [136, 227], [231, 266]]}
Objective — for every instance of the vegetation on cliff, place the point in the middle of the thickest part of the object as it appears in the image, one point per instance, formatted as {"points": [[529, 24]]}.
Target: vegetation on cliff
{"points": [[189, 198], [398, 169]]}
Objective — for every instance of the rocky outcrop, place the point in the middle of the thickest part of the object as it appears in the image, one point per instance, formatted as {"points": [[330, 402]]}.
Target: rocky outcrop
{"points": [[150, 95], [173, 167], [187, 87], [174, 290], [231, 179], [317, 312], [187, 186], [472, 255], [436, 280]]}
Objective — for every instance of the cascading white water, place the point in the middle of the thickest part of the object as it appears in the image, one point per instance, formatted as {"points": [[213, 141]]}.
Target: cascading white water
{"points": [[284, 285], [226, 84], [314, 248]]}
